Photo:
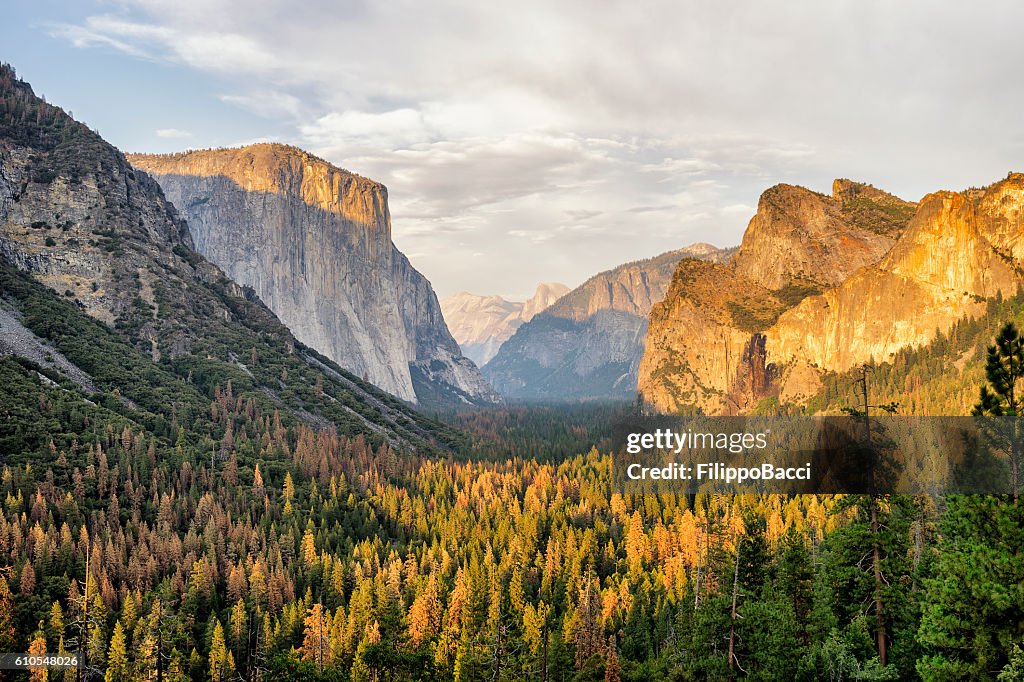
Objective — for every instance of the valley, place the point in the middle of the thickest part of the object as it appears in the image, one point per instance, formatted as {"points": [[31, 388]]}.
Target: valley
{"points": [[239, 438]]}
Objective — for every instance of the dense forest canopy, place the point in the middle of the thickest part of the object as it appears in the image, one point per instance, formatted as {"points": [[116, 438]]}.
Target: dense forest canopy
{"points": [[237, 542]]}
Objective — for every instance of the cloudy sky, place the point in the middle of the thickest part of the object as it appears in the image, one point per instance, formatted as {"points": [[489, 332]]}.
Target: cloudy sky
{"points": [[546, 141]]}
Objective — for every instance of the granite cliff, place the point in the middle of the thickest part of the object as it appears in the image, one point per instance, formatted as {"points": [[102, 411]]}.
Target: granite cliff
{"points": [[481, 324], [589, 343], [799, 236], [130, 313], [826, 284], [314, 243], [960, 249]]}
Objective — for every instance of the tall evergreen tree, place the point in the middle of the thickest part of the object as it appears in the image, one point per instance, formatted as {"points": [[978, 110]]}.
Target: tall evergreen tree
{"points": [[1004, 396], [117, 657], [973, 612]]}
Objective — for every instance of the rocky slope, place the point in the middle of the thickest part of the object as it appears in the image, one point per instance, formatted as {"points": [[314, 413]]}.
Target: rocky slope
{"points": [[480, 324], [827, 284], [314, 243], [141, 316], [588, 344]]}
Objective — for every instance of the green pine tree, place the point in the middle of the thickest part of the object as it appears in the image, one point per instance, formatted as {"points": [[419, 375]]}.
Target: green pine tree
{"points": [[973, 611], [117, 656]]}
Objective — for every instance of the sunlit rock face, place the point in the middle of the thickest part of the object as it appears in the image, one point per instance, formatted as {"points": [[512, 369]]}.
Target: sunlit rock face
{"points": [[960, 249], [800, 235], [314, 242], [826, 284]]}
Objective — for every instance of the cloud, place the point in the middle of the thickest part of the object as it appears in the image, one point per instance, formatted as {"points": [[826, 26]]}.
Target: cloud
{"points": [[84, 37], [388, 129], [173, 133], [561, 138], [267, 103]]}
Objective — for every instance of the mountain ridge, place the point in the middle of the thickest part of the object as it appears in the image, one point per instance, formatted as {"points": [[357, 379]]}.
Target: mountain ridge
{"points": [[480, 324], [97, 265], [588, 344], [905, 270]]}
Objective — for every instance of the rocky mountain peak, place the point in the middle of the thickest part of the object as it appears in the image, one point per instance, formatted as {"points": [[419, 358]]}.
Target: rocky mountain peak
{"points": [[706, 251], [844, 190], [799, 236], [715, 346], [99, 281], [588, 344], [277, 169], [544, 296]]}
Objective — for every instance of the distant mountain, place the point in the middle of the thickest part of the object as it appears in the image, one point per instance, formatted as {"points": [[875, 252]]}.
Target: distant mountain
{"points": [[481, 324], [825, 283], [589, 343], [133, 318], [314, 243]]}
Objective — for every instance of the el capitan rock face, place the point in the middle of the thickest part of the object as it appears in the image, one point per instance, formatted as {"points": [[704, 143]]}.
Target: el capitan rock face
{"points": [[588, 344], [481, 324], [314, 242], [769, 324]]}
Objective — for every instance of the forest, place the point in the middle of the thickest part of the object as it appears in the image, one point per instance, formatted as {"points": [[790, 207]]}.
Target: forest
{"points": [[235, 541]]}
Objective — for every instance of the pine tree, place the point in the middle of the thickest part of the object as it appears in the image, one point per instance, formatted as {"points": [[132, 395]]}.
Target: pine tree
{"points": [[425, 614], [239, 622], [1004, 397], [969, 623], [308, 545], [257, 481], [222, 661], [289, 493], [37, 648], [117, 656], [1014, 670], [8, 634], [28, 579], [970, 620], [316, 638], [865, 563], [611, 661], [56, 622], [585, 628]]}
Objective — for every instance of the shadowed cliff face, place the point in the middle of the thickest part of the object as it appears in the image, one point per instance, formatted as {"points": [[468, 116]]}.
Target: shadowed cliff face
{"points": [[824, 284], [588, 344], [78, 218], [314, 243], [135, 313]]}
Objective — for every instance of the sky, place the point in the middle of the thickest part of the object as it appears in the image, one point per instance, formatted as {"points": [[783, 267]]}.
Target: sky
{"points": [[547, 141]]}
